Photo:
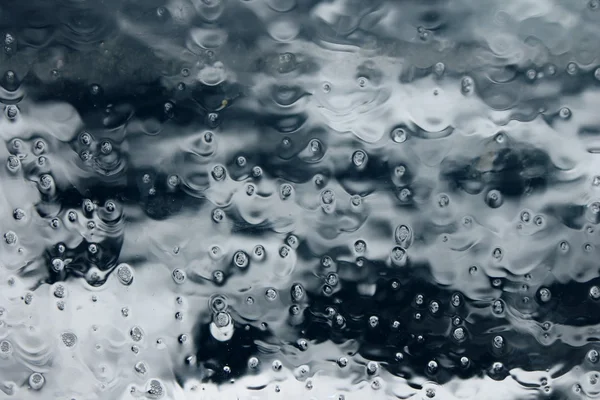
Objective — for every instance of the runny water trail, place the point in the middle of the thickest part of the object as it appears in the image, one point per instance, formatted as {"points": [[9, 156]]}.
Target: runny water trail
{"points": [[299, 199]]}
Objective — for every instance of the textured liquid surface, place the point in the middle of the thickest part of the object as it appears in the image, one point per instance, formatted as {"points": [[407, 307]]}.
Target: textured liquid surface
{"points": [[297, 199]]}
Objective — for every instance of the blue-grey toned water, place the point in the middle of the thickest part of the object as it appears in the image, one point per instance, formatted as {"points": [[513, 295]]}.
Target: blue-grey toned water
{"points": [[299, 199]]}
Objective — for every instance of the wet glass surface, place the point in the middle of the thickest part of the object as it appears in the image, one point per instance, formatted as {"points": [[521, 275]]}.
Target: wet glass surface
{"points": [[299, 199]]}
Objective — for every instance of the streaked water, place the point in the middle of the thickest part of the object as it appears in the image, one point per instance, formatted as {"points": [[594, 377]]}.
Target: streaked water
{"points": [[299, 199]]}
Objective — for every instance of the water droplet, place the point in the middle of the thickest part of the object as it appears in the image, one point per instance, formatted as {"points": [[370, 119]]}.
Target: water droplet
{"points": [[443, 200], [373, 321], [125, 274], [155, 389], [141, 368], [36, 381], [498, 342], [297, 292], [434, 307], [497, 254], [593, 356], [564, 113], [456, 299], [360, 246], [467, 85], [69, 339], [179, 276], [218, 173], [459, 334], [11, 111], [359, 158], [327, 197], [403, 235], [595, 292], [498, 306], [432, 367], [284, 251], [271, 294], [494, 198], [136, 333], [218, 215], [58, 264], [10, 238], [398, 256], [285, 191], [240, 259], [545, 295]]}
